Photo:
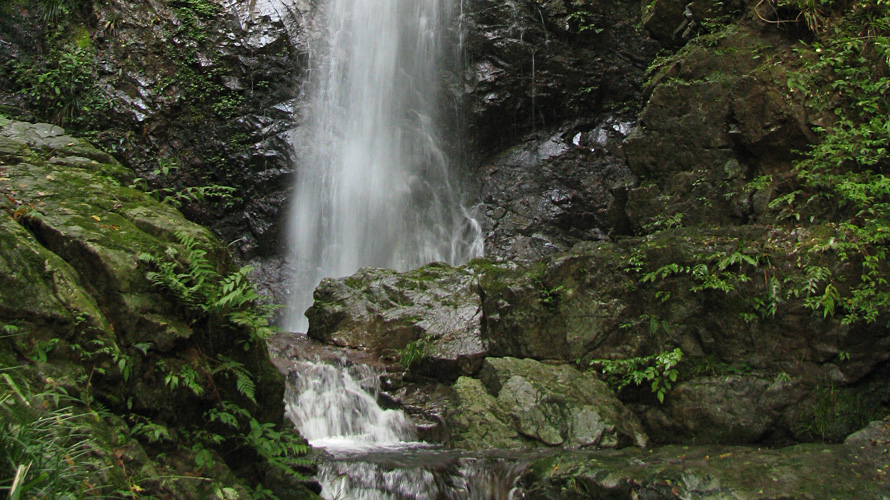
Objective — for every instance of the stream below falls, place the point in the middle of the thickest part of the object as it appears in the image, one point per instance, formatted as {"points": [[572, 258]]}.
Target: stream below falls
{"points": [[373, 453]]}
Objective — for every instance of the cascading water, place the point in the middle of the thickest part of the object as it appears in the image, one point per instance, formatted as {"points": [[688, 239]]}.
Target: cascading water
{"points": [[335, 407], [373, 452], [375, 187]]}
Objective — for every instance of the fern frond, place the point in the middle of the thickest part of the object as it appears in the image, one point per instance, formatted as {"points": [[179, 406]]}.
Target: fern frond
{"points": [[243, 379]]}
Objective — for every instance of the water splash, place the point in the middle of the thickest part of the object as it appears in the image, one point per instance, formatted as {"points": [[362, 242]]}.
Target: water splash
{"points": [[375, 186]]}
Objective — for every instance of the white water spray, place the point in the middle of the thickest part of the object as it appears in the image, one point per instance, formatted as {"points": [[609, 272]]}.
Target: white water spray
{"points": [[375, 187]]}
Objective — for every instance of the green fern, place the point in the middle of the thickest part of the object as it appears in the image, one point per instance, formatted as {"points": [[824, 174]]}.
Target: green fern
{"points": [[243, 379], [191, 279]]}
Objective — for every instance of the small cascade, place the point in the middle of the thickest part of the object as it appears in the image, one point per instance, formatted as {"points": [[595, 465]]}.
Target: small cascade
{"points": [[374, 453], [336, 407]]}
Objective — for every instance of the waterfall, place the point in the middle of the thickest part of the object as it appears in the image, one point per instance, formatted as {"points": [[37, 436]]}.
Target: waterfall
{"points": [[375, 185]]}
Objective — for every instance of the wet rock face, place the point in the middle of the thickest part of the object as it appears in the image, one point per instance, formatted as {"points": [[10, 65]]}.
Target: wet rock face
{"points": [[555, 189], [203, 91], [533, 65], [543, 88], [215, 94]]}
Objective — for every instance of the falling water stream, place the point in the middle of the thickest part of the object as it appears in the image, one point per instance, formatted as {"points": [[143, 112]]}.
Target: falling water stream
{"points": [[377, 186], [375, 183]]}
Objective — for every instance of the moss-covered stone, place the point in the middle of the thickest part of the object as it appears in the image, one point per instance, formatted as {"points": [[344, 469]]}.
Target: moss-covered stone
{"points": [[805, 472], [80, 315]]}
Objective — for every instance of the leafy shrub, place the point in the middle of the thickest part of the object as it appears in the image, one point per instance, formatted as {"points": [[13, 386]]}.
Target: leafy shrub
{"points": [[845, 174], [660, 370], [61, 86], [415, 351]]}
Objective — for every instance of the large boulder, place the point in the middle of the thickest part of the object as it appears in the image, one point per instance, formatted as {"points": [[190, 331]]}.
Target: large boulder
{"points": [[525, 402], [555, 189], [437, 309], [717, 118]]}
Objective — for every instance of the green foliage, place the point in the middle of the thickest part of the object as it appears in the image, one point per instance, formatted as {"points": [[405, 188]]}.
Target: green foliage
{"points": [[61, 86], [550, 296], [845, 175], [224, 300], [54, 11], [659, 370], [150, 431], [202, 8], [835, 412], [415, 351], [244, 383], [46, 444], [711, 273], [186, 376], [178, 197], [582, 21], [710, 366]]}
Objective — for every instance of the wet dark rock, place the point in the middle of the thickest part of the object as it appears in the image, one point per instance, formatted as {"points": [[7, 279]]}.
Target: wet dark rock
{"points": [[555, 189], [535, 65], [727, 409]]}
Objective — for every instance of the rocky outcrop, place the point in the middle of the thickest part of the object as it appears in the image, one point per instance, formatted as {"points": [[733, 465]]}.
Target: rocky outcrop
{"points": [[755, 368], [717, 118], [188, 94], [550, 90], [88, 322], [536, 65], [436, 307], [522, 402], [555, 189], [808, 472]]}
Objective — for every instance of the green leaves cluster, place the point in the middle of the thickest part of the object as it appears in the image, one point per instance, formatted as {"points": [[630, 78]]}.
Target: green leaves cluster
{"points": [[61, 86], [415, 351], [845, 176], [712, 273], [659, 370], [229, 300], [46, 452]]}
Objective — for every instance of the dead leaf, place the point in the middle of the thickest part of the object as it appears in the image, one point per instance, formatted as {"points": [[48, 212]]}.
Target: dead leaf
{"points": [[95, 218]]}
